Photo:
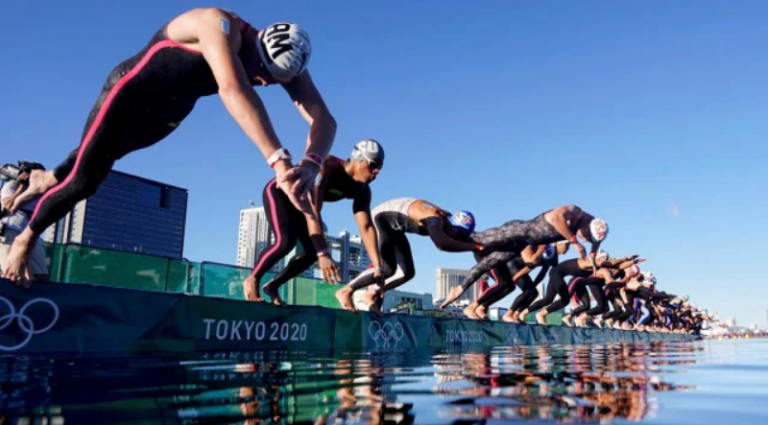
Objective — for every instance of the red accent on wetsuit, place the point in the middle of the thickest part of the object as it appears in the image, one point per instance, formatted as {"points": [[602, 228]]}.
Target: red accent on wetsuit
{"points": [[143, 100], [100, 116], [484, 285]]}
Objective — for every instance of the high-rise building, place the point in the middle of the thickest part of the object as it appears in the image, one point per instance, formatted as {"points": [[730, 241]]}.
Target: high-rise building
{"points": [[450, 278], [253, 236], [127, 213], [356, 258]]}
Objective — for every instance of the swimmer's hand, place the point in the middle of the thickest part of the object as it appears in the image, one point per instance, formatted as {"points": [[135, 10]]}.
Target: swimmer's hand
{"points": [[329, 269], [296, 182]]}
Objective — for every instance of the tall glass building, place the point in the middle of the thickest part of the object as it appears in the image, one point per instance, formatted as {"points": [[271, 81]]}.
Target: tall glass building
{"points": [[127, 213]]}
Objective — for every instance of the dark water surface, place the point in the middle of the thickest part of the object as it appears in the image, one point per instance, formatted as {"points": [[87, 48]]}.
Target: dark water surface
{"points": [[724, 382]]}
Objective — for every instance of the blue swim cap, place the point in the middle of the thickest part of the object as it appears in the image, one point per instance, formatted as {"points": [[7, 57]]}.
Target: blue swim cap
{"points": [[463, 221], [549, 251]]}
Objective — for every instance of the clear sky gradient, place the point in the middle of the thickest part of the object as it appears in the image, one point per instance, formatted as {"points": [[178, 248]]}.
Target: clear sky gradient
{"points": [[650, 115]]}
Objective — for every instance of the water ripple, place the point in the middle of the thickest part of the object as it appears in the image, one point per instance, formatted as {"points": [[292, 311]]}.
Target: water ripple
{"points": [[698, 382]]}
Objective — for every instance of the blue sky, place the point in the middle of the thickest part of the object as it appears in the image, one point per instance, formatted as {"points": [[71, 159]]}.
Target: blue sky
{"points": [[650, 115]]}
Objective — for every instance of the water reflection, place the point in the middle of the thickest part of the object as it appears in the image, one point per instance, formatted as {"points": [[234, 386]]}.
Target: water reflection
{"points": [[581, 383], [550, 383]]}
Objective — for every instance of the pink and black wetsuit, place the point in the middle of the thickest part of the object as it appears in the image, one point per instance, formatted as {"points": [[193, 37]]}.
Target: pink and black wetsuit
{"points": [[144, 99], [289, 225]]}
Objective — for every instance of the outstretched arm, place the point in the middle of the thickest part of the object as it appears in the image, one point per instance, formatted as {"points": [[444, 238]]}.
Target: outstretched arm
{"points": [[218, 32], [531, 258], [362, 210], [310, 103], [444, 242], [541, 275]]}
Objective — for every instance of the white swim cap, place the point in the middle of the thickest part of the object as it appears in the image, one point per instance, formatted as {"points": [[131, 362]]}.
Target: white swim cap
{"points": [[369, 150], [598, 229], [285, 49]]}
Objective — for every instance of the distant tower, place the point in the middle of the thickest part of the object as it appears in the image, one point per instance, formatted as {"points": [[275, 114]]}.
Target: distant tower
{"points": [[253, 235]]}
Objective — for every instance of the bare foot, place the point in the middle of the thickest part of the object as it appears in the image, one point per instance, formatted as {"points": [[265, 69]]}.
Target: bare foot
{"points": [[273, 294], [598, 321], [509, 317], [578, 322], [453, 295], [481, 312], [344, 296], [15, 267], [251, 290], [469, 311], [567, 320], [522, 315], [541, 317]]}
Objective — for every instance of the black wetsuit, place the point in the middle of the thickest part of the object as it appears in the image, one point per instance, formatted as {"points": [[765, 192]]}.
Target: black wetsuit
{"points": [[557, 286], [612, 293], [144, 99], [503, 275], [581, 288], [528, 286], [644, 293], [505, 242], [290, 226], [392, 223]]}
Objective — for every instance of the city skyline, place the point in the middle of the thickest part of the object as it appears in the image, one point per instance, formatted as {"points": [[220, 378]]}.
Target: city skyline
{"points": [[661, 108]]}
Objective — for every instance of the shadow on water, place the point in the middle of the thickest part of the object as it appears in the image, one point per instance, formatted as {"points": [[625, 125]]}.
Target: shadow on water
{"points": [[594, 383]]}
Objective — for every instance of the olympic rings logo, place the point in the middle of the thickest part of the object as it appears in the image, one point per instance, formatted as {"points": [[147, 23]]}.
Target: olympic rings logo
{"points": [[516, 335], [25, 322], [384, 335]]}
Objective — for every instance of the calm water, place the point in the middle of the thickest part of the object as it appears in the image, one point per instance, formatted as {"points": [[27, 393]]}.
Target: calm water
{"points": [[724, 382]]}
